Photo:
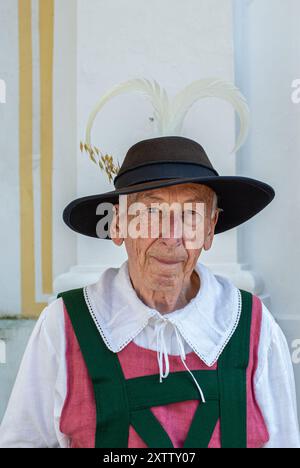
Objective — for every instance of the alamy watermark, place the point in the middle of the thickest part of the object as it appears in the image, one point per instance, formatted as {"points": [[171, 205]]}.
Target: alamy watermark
{"points": [[142, 220], [295, 96], [2, 352], [296, 351], [2, 92]]}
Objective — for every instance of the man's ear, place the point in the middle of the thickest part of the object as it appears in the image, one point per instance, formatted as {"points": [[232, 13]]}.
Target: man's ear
{"points": [[210, 236], [114, 230]]}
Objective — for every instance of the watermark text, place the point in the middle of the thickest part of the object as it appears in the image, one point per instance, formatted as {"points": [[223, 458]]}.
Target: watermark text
{"points": [[2, 92]]}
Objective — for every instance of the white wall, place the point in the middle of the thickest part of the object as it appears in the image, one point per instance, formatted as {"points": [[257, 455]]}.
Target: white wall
{"points": [[9, 161], [65, 130], [267, 45]]}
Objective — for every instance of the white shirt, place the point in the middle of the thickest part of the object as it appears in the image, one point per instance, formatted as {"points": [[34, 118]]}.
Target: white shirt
{"points": [[204, 325]]}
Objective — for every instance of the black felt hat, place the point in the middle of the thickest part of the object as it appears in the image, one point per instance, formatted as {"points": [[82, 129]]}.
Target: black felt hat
{"points": [[172, 160]]}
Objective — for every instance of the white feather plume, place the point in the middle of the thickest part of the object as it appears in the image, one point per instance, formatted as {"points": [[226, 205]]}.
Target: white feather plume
{"points": [[210, 87], [157, 96], [169, 114]]}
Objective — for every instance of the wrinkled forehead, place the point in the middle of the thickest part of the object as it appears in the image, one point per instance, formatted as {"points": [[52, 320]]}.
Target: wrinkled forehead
{"points": [[184, 192]]}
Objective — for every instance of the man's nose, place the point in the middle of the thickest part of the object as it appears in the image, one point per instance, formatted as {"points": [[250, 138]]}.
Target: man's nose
{"points": [[172, 228]]}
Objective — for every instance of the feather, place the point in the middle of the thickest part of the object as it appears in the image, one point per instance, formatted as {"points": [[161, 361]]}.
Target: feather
{"points": [[200, 89], [169, 115], [158, 98]]}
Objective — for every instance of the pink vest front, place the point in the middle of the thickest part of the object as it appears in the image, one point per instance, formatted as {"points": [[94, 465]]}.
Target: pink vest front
{"points": [[78, 418]]}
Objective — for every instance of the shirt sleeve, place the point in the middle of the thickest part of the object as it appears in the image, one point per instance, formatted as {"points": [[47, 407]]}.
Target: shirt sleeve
{"points": [[275, 386], [30, 420]]}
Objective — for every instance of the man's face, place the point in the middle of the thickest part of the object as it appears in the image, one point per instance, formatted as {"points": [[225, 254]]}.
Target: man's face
{"points": [[166, 261]]}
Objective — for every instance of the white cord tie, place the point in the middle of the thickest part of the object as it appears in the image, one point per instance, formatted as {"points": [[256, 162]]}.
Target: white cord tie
{"points": [[163, 354]]}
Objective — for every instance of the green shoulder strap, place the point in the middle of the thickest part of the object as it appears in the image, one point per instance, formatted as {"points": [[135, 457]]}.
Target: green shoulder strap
{"points": [[231, 406], [232, 372], [112, 428]]}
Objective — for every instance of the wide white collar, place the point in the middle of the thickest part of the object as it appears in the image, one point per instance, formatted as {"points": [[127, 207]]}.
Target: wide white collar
{"points": [[207, 322]]}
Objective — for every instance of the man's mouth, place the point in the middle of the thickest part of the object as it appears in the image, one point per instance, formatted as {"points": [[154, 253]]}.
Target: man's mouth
{"points": [[167, 261]]}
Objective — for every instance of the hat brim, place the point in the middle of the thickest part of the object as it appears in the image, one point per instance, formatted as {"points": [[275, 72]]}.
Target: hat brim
{"points": [[241, 198]]}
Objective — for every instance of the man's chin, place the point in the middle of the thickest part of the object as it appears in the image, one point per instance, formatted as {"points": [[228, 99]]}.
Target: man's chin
{"points": [[163, 281]]}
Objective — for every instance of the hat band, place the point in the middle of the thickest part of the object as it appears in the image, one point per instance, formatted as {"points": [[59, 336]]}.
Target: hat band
{"points": [[157, 171]]}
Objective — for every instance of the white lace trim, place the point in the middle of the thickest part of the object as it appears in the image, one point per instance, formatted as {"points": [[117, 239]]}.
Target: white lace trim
{"points": [[228, 338], [132, 336], [94, 317]]}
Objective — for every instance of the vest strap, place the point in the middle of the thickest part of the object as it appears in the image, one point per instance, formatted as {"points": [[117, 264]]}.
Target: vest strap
{"points": [[105, 371], [203, 425], [150, 429], [147, 391], [232, 373]]}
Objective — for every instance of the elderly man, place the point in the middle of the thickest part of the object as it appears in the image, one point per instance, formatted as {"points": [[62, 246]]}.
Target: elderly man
{"points": [[160, 352]]}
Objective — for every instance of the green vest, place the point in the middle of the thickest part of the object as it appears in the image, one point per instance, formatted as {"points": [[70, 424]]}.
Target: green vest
{"points": [[123, 402]]}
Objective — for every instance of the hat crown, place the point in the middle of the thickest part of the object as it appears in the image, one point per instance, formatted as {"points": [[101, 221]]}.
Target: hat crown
{"points": [[167, 149]]}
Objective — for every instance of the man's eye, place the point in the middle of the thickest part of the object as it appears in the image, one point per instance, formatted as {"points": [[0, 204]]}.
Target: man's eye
{"points": [[191, 212], [152, 209]]}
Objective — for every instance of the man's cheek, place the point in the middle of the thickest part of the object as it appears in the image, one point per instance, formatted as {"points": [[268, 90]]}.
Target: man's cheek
{"points": [[194, 237]]}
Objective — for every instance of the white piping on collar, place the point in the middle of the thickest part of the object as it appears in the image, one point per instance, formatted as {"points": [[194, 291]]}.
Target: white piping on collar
{"points": [[121, 306], [110, 346], [212, 361]]}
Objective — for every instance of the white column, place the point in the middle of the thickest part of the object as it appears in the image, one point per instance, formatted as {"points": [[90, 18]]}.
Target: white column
{"points": [[65, 139]]}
